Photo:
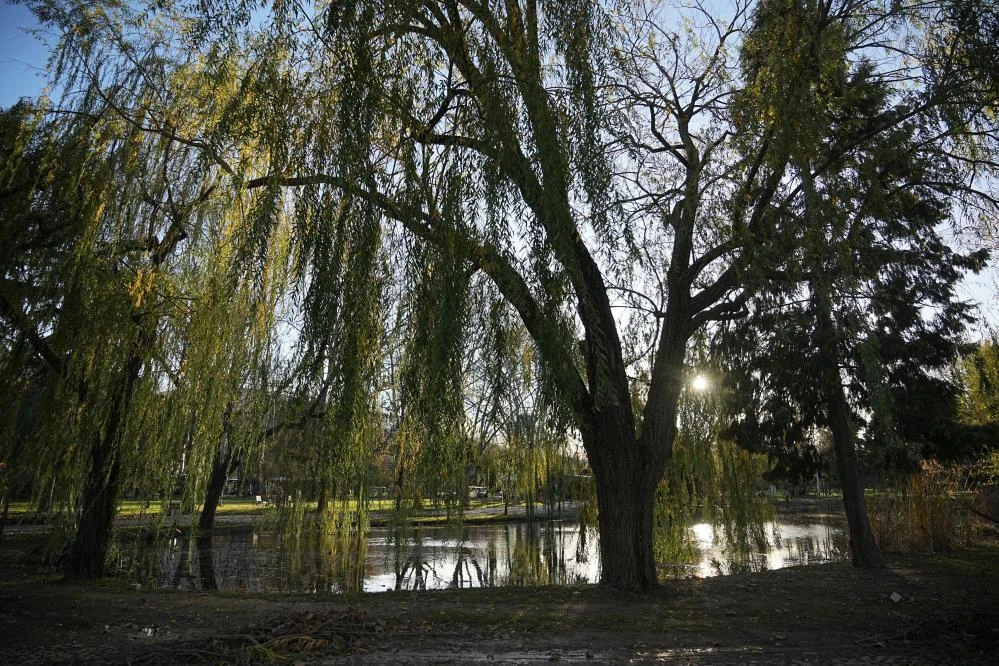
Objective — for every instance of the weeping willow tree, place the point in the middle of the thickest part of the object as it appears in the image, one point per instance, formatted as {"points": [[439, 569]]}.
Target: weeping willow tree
{"points": [[129, 239], [476, 128], [98, 334], [443, 143], [481, 130]]}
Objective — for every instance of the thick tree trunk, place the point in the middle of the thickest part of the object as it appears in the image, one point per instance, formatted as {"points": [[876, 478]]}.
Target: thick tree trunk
{"points": [[322, 499], [225, 461], [864, 549], [627, 559], [100, 495], [223, 464], [100, 498], [626, 483]]}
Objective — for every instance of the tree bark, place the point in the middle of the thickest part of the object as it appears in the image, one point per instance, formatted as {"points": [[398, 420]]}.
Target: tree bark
{"points": [[100, 494], [864, 550], [627, 560], [100, 498], [225, 460], [223, 464], [626, 479], [322, 498]]}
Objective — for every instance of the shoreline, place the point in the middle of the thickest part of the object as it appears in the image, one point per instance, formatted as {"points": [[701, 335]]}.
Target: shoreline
{"points": [[474, 516], [832, 506], [921, 609]]}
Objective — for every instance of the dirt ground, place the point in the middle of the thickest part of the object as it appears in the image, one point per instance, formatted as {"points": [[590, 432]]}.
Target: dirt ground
{"points": [[923, 609]]}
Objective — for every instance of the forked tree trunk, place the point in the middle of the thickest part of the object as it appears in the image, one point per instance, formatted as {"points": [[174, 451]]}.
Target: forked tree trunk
{"points": [[627, 560]]}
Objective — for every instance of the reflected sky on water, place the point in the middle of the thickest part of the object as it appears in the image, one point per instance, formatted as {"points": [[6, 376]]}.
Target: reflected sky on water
{"points": [[425, 558]]}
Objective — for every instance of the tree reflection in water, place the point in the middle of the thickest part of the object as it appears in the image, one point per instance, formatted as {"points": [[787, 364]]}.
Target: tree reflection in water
{"points": [[509, 554], [543, 553], [411, 570], [206, 562]]}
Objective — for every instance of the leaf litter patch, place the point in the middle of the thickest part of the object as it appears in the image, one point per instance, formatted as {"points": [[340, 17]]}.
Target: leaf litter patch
{"points": [[285, 638]]}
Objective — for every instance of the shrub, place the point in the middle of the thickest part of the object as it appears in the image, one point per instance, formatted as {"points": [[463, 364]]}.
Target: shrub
{"points": [[926, 512]]}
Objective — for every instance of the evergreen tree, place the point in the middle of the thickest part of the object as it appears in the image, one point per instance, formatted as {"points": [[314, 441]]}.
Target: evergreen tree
{"points": [[859, 310]]}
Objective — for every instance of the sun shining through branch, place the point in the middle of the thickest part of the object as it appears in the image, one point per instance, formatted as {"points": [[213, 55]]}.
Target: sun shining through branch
{"points": [[700, 383]]}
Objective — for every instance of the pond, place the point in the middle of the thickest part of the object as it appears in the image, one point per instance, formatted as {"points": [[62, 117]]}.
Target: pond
{"points": [[424, 558]]}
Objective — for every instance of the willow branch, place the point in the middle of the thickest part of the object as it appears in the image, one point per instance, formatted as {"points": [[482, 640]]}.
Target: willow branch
{"points": [[483, 256], [22, 322]]}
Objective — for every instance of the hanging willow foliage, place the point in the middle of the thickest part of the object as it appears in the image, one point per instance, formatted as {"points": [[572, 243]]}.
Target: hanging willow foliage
{"points": [[318, 118], [329, 152], [153, 315], [431, 380], [394, 157], [712, 480]]}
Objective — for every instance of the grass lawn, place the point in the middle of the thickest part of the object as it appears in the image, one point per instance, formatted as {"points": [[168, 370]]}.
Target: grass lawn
{"points": [[24, 512]]}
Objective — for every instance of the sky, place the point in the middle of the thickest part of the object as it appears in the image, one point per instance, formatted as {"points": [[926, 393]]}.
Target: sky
{"points": [[23, 61], [22, 56]]}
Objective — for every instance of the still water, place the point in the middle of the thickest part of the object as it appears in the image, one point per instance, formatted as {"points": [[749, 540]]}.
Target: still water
{"points": [[260, 560]]}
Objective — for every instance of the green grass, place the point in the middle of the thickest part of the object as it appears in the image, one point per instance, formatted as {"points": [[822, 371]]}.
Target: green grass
{"points": [[24, 512], [135, 508]]}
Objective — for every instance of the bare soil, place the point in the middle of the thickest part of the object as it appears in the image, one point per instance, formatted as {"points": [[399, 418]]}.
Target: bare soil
{"points": [[923, 609]]}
